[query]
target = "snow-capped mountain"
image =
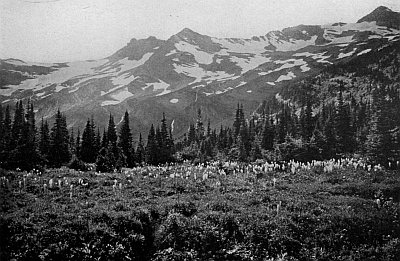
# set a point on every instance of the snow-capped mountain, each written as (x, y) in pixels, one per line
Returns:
(190, 71)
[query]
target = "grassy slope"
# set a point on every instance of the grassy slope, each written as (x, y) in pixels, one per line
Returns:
(323, 216)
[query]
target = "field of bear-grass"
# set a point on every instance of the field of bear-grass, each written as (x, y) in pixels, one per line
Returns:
(322, 210)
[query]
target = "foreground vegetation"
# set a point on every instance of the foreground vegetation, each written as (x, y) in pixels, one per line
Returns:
(324, 211)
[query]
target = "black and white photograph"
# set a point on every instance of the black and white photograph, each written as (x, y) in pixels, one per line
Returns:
(211, 130)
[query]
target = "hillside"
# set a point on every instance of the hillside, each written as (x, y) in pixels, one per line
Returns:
(189, 71)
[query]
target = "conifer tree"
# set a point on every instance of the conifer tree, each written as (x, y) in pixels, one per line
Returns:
(342, 125)
(97, 146)
(104, 139)
(380, 141)
(329, 149)
(199, 127)
(281, 129)
(59, 153)
(140, 151)
(44, 140)
(17, 125)
(5, 153)
(306, 121)
(165, 142)
(151, 147)
(1, 133)
(111, 132)
(237, 121)
(78, 145)
(88, 152)
(208, 132)
(268, 136)
(27, 152)
(191, 134)
(125, 141)
(106, 162)
(72, 143)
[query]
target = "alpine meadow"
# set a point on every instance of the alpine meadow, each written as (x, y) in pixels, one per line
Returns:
(280, 147)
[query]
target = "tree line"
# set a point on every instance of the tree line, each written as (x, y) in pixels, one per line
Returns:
(344, 126)
(25, 146)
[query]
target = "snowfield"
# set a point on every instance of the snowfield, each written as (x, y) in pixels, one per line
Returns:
(343, 55)
(200, 56)
(288, 76)
(364, 52)
(71, 71)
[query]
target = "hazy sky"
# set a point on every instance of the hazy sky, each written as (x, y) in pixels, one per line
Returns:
(69, 30)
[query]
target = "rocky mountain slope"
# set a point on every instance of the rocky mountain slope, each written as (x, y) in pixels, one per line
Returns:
(190, 71)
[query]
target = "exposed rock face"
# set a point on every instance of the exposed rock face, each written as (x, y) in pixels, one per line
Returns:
(190, 71)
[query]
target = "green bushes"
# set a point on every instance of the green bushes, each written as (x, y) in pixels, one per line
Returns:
(317, 219)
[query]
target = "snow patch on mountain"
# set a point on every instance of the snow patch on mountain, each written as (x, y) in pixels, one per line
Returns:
(118, 97)
(161, 85)
(122, 95)
(86, 79)
(391, 37)
(123, 79)
(288, 76)
(200, 56)
(244, 46)
(338, 29)
(171, 52)
(60, 87)
(71, 71)
(195, 71)
(250, 63)
(289, 63)
(343, 55)
(292, 45)
(305, 68)
(107, 103)
(126, 64)
(23, 63)
(320, 57)
(364, 52)
(241, 84)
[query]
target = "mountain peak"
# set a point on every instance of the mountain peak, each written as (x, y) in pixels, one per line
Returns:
(186, 32)
(382, 9)
(383, 16)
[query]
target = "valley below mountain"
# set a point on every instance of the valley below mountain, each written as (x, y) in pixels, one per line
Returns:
(190, 71)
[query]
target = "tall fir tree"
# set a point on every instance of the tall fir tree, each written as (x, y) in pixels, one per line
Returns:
(5, 153)
(1, 133)
(78, 144)
(380, 140)
(191, 134)
(44, 141)
(140, 151)
(199, 127)
(268, 136)
(59, 142)
(165, 144)
(345, 142)
(151, 147)
(306, 120)
(125, 141)
(17, 126)
(27, 151)
(111, 132)
(88, 152)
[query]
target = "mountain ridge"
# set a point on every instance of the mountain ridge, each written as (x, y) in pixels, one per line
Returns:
(186, 72)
